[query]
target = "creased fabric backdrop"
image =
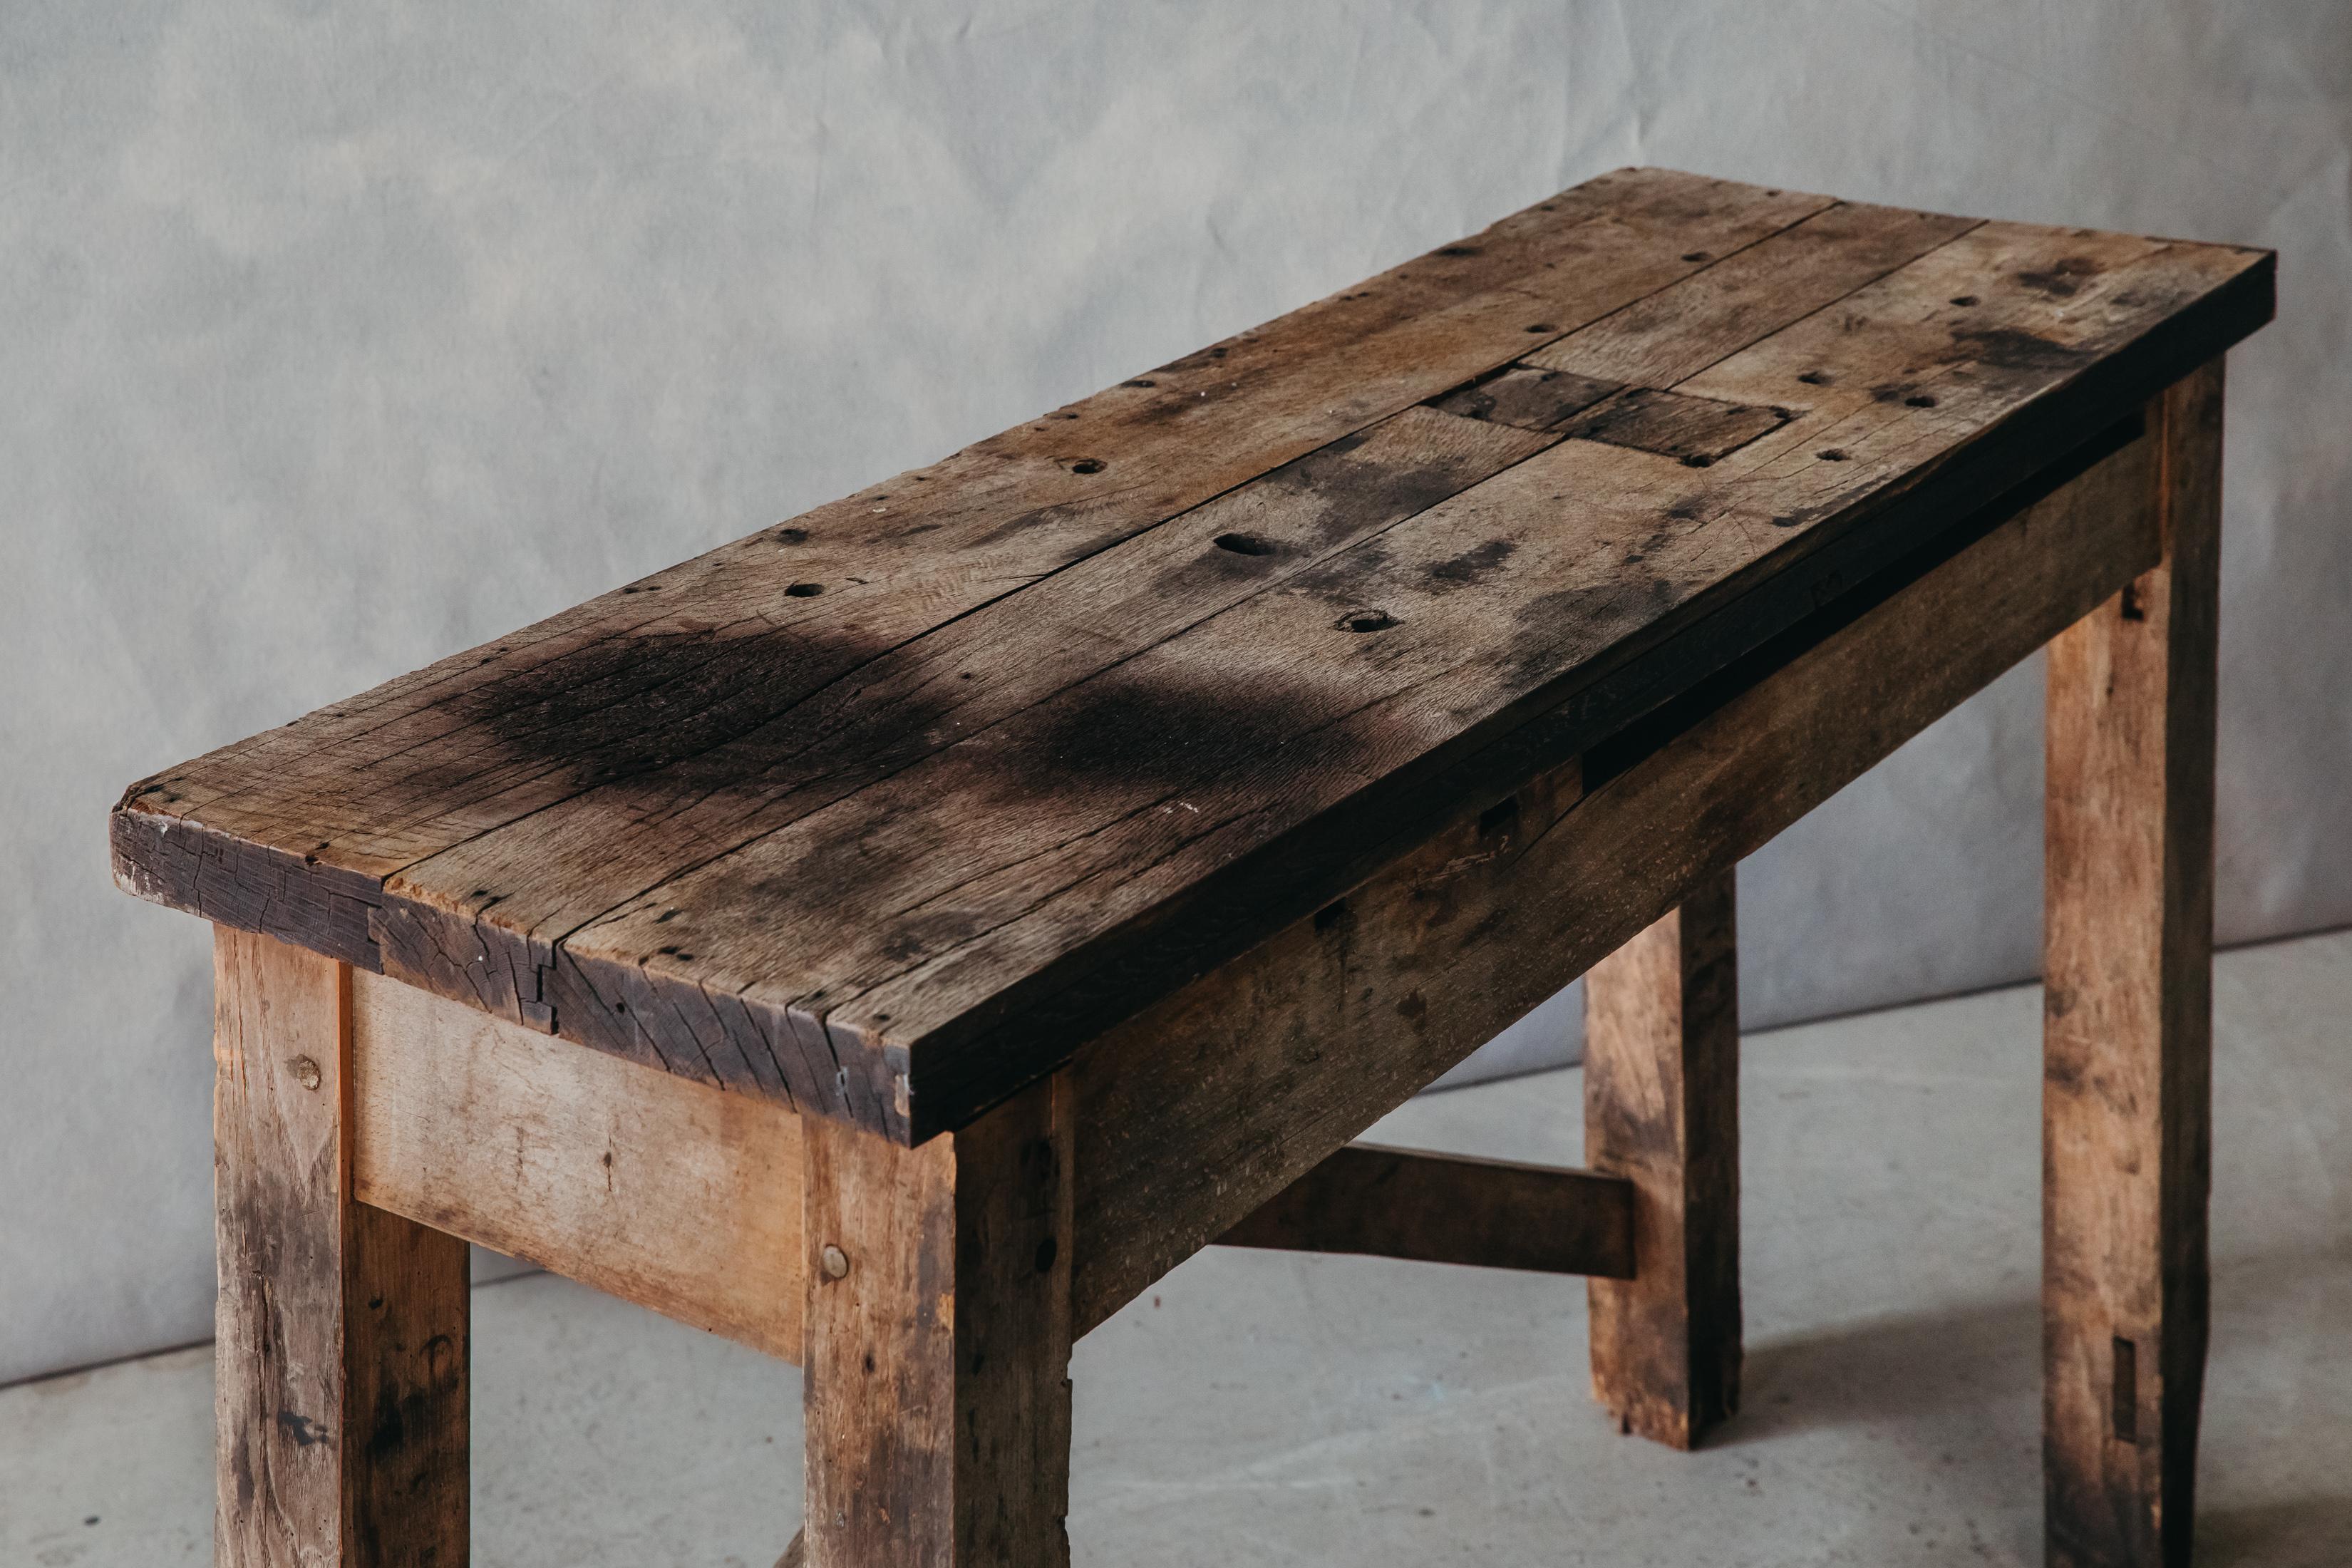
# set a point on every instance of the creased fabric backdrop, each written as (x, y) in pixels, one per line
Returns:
(338, 338)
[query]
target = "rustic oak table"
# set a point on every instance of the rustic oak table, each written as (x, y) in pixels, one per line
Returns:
(897, 937)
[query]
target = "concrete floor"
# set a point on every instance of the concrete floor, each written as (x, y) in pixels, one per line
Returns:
(1274, 1409)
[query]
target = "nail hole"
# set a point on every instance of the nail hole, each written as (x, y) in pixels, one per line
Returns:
(1815, 378)
(1330, 914)
(805, 590)
(1046, 1253)
(791, 536)
(1693, 255)
(1543, 327)
(1459, 250)
(1243, 545)
(1964, 300)
(1922, 401)
(1366, 621)
(1830, 455)
(1697, 460)
(1088, 466)
(1498, 818)
(1140, 381)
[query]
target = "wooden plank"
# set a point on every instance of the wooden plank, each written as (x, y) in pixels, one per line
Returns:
(1196, 1112)
(2127, 1008)
(342, 1330)
(1450, 1208)
(654, 1188)
(1033, 754)
(1662, 1110)
(938, 1397)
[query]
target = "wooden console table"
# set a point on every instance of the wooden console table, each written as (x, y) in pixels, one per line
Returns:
(897, 937)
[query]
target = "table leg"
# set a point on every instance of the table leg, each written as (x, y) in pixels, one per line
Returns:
(2127, 1028)
(342, 1328)
(938, 1392)
(1662, 1107)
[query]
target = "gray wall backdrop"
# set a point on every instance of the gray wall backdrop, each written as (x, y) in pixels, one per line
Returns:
(338, 338)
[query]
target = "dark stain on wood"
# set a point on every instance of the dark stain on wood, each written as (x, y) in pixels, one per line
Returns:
(1472, 564)
(1129, 731)
(2062, 279)
(1698, 430)
(1528, 397)
(2013, 349)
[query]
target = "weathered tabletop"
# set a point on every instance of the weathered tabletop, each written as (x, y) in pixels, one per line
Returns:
(886, 810)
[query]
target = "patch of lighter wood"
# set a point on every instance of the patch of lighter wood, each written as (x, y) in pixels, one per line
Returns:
(663, 1191)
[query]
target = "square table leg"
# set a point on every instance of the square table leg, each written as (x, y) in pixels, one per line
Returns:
(342, 1328)
(1662, 1108)
(937, 1389)
(2127, 1026)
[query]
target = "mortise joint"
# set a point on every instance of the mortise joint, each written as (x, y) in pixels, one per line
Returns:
(2126, 1391)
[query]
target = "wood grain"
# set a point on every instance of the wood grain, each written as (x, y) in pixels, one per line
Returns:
(2127, 1007)
(659, 1190)
(1230, 776)
(1662, 1110)
(966, 531)
(1696, 431)
(938, 1395)
(1450, 1208)
(341, 1329)
(885, 812)
(1200, 1109)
